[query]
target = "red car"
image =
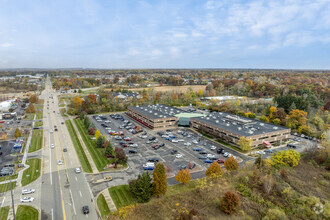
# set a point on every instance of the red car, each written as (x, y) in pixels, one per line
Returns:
(154, 146)
(220, 161)
(2, 121)
(124, 145)
(127, 139)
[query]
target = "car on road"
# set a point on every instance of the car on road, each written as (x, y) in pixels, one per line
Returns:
(60, 162)
(27, 199)
(269, 151)
(132, 151)
(28, 191)
(85, 209)
(65, 149)
(51, 130)
(52, 146)
(178, 156)
(77, 170)
(187, 144)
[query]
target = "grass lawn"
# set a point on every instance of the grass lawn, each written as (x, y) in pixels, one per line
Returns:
(38, 124)
(6, 187)
(36, 141)
(29, 116)
(41, 101)
(121, 196)
(62, 111)
(31, 173)
(97, 154)
(4, 178)
(4, 213)
(103, 206)
(179, 188)
(25, 212)
(223, 143)
(39, 114)
(77, 145)
(61, 105)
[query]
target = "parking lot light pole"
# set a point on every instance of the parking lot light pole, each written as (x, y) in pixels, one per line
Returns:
(12, 197)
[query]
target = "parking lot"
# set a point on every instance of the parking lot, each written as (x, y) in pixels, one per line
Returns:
(182, 146)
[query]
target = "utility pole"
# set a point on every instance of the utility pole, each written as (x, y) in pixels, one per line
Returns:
(12, 197)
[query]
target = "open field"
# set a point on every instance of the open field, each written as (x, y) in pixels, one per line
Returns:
(25, 212)
(4, 178)
(33, 172)
(97, 154)
(121, 196)
(36, 141)
(103, 206)
(77, 145)
(182, 89)
(4, 213)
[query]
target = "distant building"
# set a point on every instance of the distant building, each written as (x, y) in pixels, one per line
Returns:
(126, 95)
(221, 99)
(6, 105)
(230, 128)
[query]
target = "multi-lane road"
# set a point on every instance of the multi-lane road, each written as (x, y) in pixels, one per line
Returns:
(63, 191)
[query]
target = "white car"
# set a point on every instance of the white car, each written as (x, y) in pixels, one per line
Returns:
(187, 144)
(175, 141)
(28, 191)
(178, 156)
(51, 130)
(195, 142)
(156, 140)
(225, 154)
(260, 152)
(107, 121)
(180, 140)
(99, 120)
(210, 155)
(27, 199)
(144, 136)
(213, 147)
(165, 136)
(229, 155)
(60, 162)
(148, 142)
(108, 129)
(52, 146)
(133, 145)
(77, 170)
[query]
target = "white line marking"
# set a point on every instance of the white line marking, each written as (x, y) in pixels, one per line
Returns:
(80, 193)
(3, 201)
(74, 209)
(50, 164)
(52, 213)
(71, 162)
(76, 178)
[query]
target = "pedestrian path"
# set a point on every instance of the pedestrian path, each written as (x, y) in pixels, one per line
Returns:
(109, 200)
(89, 157)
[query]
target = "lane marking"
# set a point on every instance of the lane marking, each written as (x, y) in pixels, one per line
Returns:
(50, 164)
(76, 178)
(80, 193)
(52, 213)
(74, 209)
(3, 200)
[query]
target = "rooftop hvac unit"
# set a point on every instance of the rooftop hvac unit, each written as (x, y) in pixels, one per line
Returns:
(220, 113)
(234, 123)
(166, 107)
(214, 117)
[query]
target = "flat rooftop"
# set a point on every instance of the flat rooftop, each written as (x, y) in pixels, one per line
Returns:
(157, 111)
(239, 125)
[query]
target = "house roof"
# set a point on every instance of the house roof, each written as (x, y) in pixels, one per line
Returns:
(157, 111)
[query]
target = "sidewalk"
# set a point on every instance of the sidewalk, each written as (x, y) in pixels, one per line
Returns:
(89, 157)
(109, 200)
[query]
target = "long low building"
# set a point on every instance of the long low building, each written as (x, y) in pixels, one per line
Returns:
(230, 128)
(155, 116)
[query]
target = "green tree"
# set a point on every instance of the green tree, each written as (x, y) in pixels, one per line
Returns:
(100, 141)
(160, 182)
(108, 149)
(285, 158)
(277, 121)
(318, 122)
(141, 187)
(275, 214)
(292, 107)
(231, 164)
(183, 176)
(245, 143)
(18, 133)
(214, 170)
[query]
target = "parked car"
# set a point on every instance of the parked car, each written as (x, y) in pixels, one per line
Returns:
(85, 209)
(178, 156)
(173, 152)
(220, 151)
(77, 170)
(174, 141)
(197, 149)
(162, 145)
(187, 144)
(132, 151)
(208, 161)
(157, 147)
(201, 157)
(269, 151)
(210, 155)
(183, 167)
(153, 160)
(203, 152)
(27, 199)
(213, 147)
(195, 141)
(220, 161)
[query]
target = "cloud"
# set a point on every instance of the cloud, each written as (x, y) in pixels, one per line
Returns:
(5, 45)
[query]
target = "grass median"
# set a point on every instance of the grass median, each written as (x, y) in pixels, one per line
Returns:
(33, 172)
(121, 196)
(25, 212)
(38, 124)
(77, 145)
(4, 213)
(103, 206)
(6, 186)
(36, 141)
(29, 116)
(39, 114)
(4, 178)
(97, 154)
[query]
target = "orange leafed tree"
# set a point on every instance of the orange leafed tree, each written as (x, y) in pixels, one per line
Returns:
(214, 170)
(183, 176)
(33, 98)
(77, 102)
(231, 164)
(297, 117)
(30, 109)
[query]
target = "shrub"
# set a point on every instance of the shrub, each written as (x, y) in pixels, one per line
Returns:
(183, 176)
(244, 190)
(231, 164)
(275, 214)
(324, 183)
(229, 202)
(214, 170)
(285, 158)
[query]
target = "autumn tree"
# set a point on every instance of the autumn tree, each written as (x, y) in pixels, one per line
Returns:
(97, 134)
(231, 164)
(160, 182)
(200, 93)
(245, 143)
(214, 170)
(77, 102)
(285, 158)
(183, 176)
(230, 202)
(297, 118)
(31, 108)
(121, 157)
(33, 98)
(18, 133)
(272, 112)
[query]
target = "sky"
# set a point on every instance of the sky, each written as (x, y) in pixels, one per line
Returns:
(279, 34)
